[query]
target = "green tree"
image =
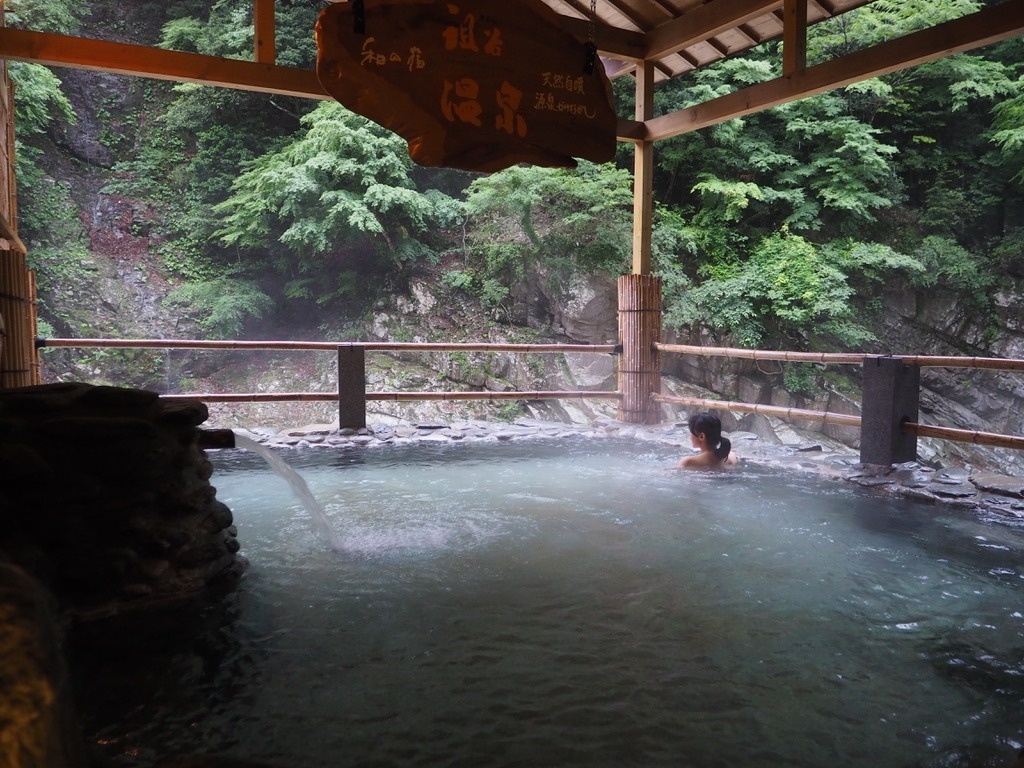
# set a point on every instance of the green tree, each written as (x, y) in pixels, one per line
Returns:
(790, 294)
(526, 219)
(335, 207)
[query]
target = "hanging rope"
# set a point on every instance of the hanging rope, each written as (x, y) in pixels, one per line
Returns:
(590, 49)
(359, 17)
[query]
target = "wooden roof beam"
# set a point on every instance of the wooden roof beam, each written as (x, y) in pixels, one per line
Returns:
(611, 41)
(135, 60)
(264, 31)
(703, 22)
(124, 59)
(794, 36)
(985, 27)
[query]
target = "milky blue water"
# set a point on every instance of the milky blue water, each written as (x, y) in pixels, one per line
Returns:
(581, 603)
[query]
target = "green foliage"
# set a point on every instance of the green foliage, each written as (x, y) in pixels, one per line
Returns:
(1009, 129)
(60, 16)
(458, 280)
(787, 293)
(223, 304)
(800, 379)
(340, 199)
(226, 29)
(527, 219)
(948, 265)
(510, 411)
(40, 100)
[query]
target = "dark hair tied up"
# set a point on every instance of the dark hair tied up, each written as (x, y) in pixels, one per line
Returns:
(711, 426)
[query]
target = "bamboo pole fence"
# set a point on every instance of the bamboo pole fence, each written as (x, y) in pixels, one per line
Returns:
(920, 430)
(765, 354)
(18, 310)
(352, 390)
(993, 439)
(281, 397)
(796, 414)
(821, 417)
(332, 346)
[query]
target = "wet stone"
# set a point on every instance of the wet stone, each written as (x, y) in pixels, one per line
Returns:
(960, 492)
(999, 484)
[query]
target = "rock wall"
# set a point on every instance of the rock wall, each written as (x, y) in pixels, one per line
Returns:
(105, 498)
(38, 725)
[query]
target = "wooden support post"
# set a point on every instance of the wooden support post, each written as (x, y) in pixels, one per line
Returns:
(17, 311)
(889, 397)
(640, 361)
(794, 36)
(643, 173)
(264, 31)
(351, 387)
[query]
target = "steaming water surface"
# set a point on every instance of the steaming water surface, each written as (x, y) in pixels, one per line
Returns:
(571, 603)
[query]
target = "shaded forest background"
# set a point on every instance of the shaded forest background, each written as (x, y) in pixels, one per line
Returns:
(833, 223)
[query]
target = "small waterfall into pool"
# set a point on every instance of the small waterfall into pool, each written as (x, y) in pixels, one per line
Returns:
(316, 511)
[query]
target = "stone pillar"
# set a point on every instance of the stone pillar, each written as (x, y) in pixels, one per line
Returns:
(639, 363)
(889, 397)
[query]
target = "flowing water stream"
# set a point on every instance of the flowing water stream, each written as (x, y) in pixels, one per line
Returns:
(581, 603)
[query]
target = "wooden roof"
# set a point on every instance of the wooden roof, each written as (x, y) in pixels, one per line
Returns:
(653, 39)
(681, 35)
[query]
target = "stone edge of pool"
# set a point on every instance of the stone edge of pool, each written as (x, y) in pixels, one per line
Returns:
(1001, 495)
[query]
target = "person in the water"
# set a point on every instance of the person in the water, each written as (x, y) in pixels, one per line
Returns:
(715, 450)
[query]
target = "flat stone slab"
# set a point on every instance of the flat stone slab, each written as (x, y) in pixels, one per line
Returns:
(1004, 486)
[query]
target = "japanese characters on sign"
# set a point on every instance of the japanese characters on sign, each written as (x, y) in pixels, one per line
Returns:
(475, 84)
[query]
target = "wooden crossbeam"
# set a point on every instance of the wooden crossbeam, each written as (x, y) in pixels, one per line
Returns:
(985, 27)
(611, 41)
(124, 59)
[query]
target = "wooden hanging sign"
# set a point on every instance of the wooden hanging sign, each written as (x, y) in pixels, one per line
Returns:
(472, 84)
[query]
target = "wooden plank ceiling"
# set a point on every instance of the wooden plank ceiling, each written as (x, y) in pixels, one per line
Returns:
(679, 36)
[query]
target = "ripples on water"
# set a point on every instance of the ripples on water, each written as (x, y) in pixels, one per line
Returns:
(571, 603)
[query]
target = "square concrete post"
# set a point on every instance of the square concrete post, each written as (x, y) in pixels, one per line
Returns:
(889, 397)
(351, 387)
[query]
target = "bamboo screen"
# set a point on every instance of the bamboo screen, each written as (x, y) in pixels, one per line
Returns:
(19, 362)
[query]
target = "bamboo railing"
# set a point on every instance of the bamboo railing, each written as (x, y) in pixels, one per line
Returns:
(325, 397)
(823, 417)
(327, 346)
(764, 354)
(796, 414)
(352, 388)
(992, 439)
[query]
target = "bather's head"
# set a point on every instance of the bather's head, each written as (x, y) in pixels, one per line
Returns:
(710, 426)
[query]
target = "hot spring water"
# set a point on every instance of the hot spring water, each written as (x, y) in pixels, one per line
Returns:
(581, 603)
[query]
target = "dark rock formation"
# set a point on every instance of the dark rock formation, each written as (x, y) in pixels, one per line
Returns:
(106, 499)
(38, 728)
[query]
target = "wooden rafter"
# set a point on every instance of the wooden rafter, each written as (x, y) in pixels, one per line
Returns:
(664, 7)
(703, 22)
